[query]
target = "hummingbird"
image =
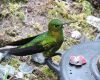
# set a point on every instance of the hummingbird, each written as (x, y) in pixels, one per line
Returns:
(47, 43)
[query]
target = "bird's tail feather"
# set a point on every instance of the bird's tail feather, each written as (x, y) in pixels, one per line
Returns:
(26, 51)
(4, 52)
(14, 50)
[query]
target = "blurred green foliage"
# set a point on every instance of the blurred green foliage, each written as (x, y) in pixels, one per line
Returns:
(14, 1)
(13, 10)
(87, 7)
(47, 71)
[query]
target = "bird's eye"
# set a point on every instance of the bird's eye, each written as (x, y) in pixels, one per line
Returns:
(56, 26)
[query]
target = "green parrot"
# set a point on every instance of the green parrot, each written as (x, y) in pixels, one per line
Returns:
(47, 43)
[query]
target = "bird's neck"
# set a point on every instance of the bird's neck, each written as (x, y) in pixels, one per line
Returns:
(56, 34)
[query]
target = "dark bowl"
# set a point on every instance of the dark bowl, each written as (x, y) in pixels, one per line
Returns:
(89, 71)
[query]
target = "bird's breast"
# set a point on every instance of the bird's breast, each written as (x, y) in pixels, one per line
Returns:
(58, 35)
(55, 34)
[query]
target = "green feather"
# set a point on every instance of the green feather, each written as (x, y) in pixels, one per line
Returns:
(49, 42)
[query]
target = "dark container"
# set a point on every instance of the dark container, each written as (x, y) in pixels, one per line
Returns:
(89, 71)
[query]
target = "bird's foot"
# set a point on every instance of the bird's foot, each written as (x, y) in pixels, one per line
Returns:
(55, 54)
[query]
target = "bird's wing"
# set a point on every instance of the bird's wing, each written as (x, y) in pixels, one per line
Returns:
(26, 51)
(22, 41)
(40, 46)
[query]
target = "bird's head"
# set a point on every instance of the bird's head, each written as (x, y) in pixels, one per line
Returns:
(55, 25)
